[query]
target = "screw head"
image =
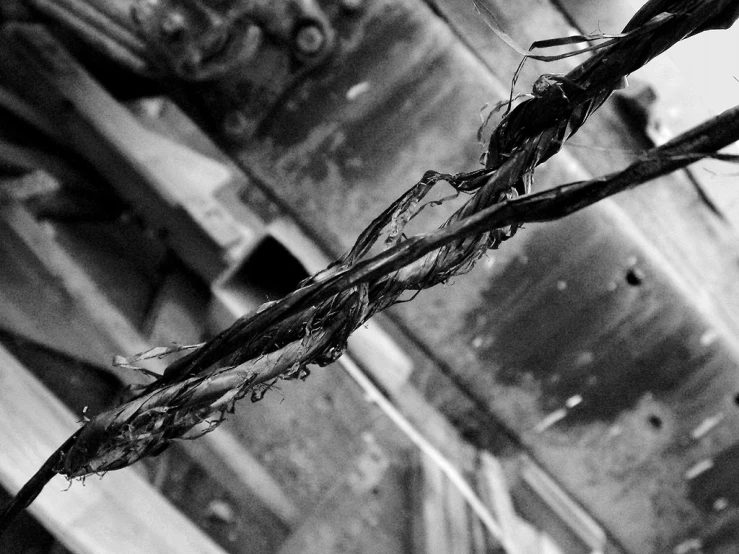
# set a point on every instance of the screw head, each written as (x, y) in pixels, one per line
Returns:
(310, 40)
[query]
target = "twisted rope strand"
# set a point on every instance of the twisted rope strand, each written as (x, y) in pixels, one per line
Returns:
(349, 292)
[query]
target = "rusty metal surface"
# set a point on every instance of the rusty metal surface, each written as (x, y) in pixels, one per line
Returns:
(601, 363)
(393, 100)
(593, 313)
(240, 57)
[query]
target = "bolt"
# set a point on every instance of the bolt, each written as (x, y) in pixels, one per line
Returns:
(310, 40)
(173, 24)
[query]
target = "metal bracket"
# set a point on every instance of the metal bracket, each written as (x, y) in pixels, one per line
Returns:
(242, 55)
(199, 42)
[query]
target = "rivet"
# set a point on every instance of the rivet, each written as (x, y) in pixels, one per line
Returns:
(310, 40)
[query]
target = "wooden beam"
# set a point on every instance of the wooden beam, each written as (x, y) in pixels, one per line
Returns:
(239, 467)
(431, 529)
(444, 523)
(520, 536)
(60, 275)
(175, 188)
(575, 517)
(118, 513)
(172, 186)
(496, 495)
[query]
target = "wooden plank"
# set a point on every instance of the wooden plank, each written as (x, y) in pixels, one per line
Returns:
(118, 513)
(458, 519)
(578, 520)
(434, 538)
(519, 534)
(36, 306)
(445, 523)
(76, 283)
(178, 311)
(163, 175)
(180, 176)
(495, 493)
(239, 467)
(172, 186)
(346, 517)
(386, 368)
